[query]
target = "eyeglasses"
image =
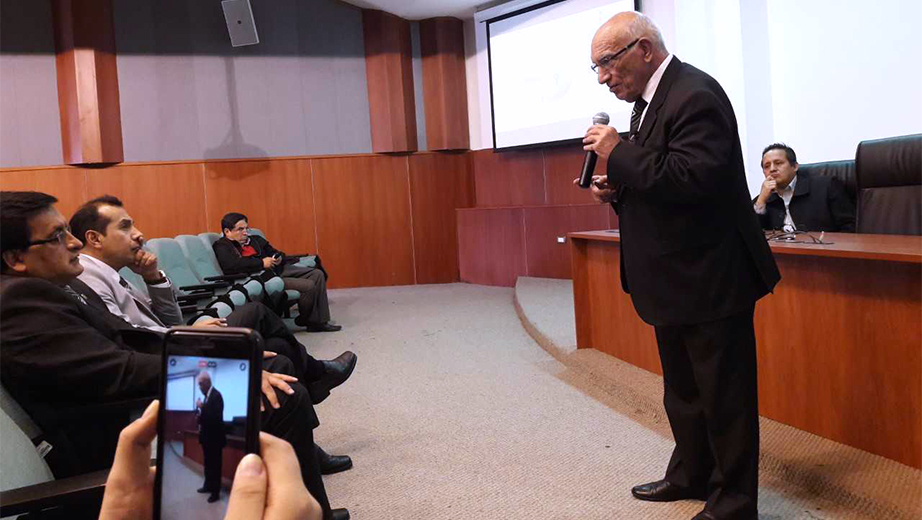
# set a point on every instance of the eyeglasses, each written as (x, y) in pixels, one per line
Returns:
(610, 60)
(59, 236)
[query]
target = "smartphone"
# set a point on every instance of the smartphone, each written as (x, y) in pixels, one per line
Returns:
(208, 420)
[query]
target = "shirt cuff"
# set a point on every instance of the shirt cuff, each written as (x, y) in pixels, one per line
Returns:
(760, 210)
(164, 283)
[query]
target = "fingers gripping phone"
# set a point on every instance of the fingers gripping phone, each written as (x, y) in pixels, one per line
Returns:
(209, 418)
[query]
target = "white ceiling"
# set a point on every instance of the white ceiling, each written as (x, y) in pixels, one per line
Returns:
(421, 9)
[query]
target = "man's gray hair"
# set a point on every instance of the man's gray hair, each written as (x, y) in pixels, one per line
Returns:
(643, 27)
(203, 375)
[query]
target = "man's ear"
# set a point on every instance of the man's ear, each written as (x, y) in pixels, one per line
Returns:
(13, 259)
(91, 239)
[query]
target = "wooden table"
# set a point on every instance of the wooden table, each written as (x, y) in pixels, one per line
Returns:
(839, 341)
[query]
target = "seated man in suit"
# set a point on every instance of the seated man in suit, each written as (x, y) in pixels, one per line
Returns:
(112, 241)
(62, 351)
(209, 413)
(791, 201)
(238, 252)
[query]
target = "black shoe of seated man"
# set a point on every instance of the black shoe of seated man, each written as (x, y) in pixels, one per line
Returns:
(214, 497)
(340, 514)
(330, 464)
(202, 490)
(336, 371)
(320, 327)
(704, 515)
(665, 491)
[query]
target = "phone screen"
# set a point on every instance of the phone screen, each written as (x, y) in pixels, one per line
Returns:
(205, 429)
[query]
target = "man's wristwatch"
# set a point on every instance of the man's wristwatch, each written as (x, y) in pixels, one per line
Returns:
(158, 281)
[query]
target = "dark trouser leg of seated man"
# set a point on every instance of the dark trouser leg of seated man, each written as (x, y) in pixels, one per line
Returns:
(295, 421)
(318, 376)
(314, 305)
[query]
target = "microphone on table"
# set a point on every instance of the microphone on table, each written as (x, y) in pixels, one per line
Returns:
(585, 176)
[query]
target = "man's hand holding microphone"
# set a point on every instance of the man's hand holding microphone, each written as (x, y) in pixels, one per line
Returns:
(598, 142)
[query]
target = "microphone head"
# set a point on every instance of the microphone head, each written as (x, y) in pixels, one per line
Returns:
(600, 119)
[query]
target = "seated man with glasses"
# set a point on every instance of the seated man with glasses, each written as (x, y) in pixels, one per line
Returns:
(791, 201)
(239, 252)
(62, 352)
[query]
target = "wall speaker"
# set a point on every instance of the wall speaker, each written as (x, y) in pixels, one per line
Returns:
(240, 24)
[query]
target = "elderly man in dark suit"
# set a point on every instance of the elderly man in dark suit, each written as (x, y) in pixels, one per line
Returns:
(211, 434)
(62, 351)
(693, 259)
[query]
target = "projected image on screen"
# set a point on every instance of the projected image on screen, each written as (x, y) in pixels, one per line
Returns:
(206, 408)
(542, 89)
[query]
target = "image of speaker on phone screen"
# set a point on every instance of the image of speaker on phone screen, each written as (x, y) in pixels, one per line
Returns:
(266, 485)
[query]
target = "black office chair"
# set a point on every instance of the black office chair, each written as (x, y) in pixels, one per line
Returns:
(889, 175)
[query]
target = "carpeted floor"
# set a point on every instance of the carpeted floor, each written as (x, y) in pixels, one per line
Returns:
(455, 412)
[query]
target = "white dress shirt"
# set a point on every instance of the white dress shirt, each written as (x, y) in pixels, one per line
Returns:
(650, 89)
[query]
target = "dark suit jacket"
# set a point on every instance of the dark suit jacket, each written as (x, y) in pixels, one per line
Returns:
(59, 354)
(211, 421)
(692, 250)
(231, 259)
(819, 203)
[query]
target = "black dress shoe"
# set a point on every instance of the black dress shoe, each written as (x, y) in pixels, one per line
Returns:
(202, 490)
(665, 491)
(330, 464)
(321, 327)
(340, 514)
(704, 515)
(336, 371)
(214, 497)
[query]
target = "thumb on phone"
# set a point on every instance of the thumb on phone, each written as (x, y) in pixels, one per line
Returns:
(248, 495)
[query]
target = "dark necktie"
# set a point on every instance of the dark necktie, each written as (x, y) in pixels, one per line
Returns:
(145, 310)
(639, 105)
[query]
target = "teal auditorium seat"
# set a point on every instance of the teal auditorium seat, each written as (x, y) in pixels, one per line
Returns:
(27, 485)
(274, 286)
(205, 266)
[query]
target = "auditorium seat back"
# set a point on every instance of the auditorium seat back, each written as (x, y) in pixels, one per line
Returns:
(172, 261)
(889, 174)
(22, 465)
(844, 171)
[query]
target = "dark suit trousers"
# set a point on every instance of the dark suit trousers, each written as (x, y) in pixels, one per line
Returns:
(213, 460)
(295, 421)
(278, 338)
(314, 304)
(711, 399)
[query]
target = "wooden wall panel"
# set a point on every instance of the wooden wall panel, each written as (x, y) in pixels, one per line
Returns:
(509, 178)
(562, 164)
(491, 245)
(444, 83)
(389, 73)
(439, 184)
(362, 207)
(276, 196)
(87, 74)
(164, 199)
(67, 184)
(546, 257)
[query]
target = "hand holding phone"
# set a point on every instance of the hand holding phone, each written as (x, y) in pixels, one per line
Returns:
(130, 485)
(209, 412)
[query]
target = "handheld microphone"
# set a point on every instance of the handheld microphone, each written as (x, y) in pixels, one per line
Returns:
(585, 176)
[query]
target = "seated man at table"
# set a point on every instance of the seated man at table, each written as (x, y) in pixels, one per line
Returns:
(239, 252)
(792, 201)
(62, 351)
